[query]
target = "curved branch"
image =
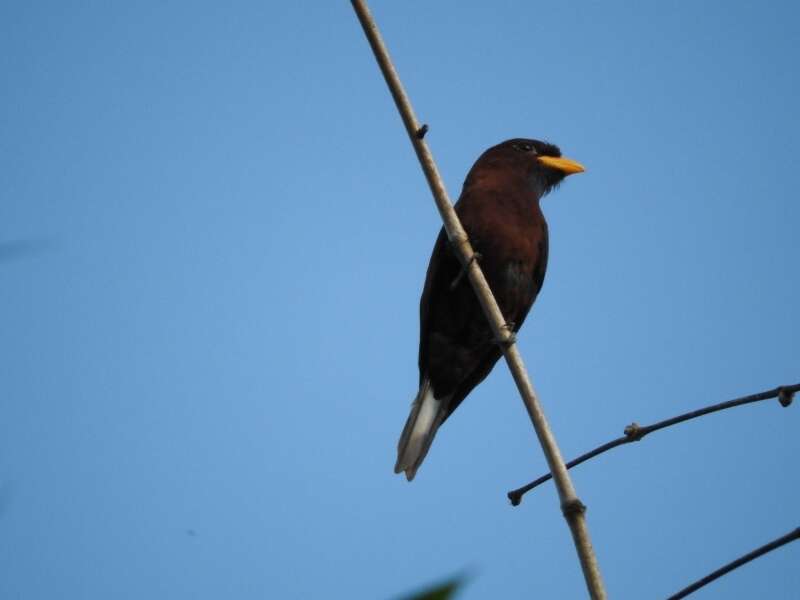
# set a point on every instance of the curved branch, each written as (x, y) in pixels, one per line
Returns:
(635, 432)
(774, 544)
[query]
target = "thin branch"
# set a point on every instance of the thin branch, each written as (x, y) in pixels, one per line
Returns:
(572, 508)
(774, 544)
(634, 432)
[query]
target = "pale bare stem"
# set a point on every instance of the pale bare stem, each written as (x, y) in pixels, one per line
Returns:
(572, 508)
(635, 432)
(742, 560)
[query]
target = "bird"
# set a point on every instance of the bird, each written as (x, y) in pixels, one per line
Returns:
(499, 210)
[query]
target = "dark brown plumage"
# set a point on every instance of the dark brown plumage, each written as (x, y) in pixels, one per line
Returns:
(499, 209)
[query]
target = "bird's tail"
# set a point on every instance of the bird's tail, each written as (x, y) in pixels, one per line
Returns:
(427, 413)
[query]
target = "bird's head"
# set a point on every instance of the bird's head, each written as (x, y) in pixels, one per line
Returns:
(539, 163)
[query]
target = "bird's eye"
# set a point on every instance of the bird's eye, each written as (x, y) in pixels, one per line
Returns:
(524, 147)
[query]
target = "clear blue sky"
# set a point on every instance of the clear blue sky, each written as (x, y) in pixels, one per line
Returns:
(213, 237)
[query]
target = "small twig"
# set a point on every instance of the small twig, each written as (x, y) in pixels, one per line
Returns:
(781, 541)
(634, 432)
(576, 520)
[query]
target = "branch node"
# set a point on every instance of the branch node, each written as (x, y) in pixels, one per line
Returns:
(785, 396)
(634, 432)
(511, 338)
(515, 498)
(475, 256)
(422, 131)
(573, 507)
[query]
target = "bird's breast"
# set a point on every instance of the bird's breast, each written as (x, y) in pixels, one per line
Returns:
(516, 274)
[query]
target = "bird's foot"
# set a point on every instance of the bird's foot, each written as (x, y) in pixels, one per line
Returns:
(475, 256)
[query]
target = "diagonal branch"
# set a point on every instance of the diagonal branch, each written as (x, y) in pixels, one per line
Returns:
(634, 432)
(572, 508)
(742, 560)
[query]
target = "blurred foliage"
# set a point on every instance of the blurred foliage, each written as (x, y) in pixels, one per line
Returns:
(440, 591)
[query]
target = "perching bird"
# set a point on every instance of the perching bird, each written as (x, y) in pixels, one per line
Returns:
(499, 209)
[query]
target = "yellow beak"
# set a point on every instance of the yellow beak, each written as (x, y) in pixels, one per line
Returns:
(565, 165)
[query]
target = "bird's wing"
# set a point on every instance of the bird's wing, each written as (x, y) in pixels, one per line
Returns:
(457, 350)
(443, 264)
(454, 334)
